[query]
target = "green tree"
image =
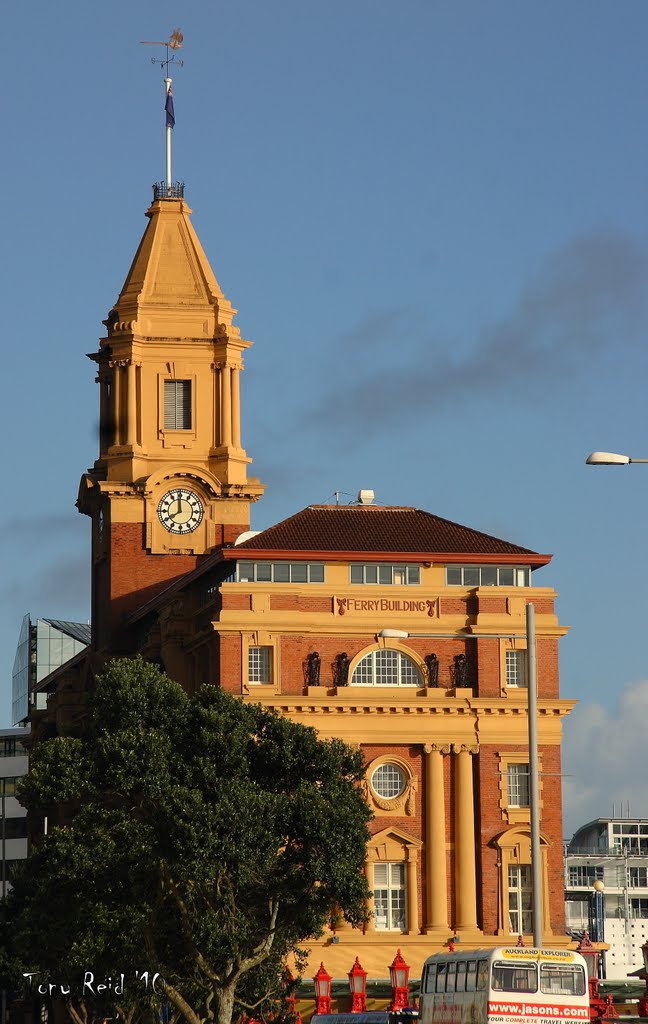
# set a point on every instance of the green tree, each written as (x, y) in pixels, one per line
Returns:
(193, 837)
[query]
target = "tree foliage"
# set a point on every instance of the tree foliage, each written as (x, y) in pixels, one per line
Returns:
(196, 837)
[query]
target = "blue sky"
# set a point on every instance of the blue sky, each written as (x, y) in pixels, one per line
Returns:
(433, 219)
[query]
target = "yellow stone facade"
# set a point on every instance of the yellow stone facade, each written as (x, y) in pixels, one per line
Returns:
(452, 843)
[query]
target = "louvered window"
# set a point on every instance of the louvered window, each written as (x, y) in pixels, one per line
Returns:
(177, 405)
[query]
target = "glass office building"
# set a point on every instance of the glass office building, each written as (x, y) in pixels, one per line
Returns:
(42, 646)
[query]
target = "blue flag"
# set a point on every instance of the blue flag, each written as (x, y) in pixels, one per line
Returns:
(170, 113)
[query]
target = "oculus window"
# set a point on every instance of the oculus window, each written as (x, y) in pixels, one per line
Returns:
(388, 781)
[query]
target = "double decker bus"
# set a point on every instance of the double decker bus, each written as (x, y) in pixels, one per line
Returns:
(505, 985)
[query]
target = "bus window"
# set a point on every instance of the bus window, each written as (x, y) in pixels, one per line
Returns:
(471, 976)
(482, 976)
(429, 981)
(440, 978)
(461, 976)
(562, 979)
(514, 977)
(451, 974)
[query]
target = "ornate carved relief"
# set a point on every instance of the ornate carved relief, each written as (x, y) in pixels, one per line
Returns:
(404, 801)
(464, 748)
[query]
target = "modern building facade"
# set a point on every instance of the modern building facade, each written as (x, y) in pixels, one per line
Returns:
(390, 627)
(606, 889)
(14, 763)
(43, 646)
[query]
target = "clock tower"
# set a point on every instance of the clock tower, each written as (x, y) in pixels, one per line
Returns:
(170, 484)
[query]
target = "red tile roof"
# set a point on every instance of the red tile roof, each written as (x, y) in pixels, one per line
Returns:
(379, 531)
(376, 528)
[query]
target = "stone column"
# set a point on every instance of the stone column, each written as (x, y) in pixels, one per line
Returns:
(236, 406)
(465, 864)
(116, 402)
(436, 872)
(105, 434)
(226, 406)
(217, 404)
(411, 882)
(131, 403)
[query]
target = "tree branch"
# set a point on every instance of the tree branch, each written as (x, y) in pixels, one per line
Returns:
(172, 889)
(263, 949)
(78, 1018)
(181, 1004)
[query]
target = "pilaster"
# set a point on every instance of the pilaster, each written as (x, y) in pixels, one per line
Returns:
(436, 873)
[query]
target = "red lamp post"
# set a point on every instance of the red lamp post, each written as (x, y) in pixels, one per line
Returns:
(289, 995)
(643, 1002)
(358, 986)
(399, 980)
(599, 1006)
(322, 990)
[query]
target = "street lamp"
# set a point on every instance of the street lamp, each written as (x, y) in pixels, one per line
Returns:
(598, 913)
(322, 990)
(609, 459)
(358, 986)
(598, 920)
(399, 981)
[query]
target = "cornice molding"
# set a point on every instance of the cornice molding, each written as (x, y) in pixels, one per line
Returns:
(326, 706)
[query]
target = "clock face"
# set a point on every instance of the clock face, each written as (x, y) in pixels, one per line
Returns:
(180, 511)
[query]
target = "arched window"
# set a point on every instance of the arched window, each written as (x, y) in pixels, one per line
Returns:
(386, 668)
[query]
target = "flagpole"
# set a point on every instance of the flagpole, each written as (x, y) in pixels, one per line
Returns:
(169, 129)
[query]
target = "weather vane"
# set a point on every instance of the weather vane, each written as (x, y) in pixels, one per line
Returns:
(173, 43)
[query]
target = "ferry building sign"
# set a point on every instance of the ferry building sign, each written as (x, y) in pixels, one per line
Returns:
(384, 604)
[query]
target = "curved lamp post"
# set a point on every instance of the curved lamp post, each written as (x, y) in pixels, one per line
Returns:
(609, 459)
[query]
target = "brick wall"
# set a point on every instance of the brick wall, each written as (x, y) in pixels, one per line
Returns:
(135, 576)
(410, 824)
(492, 823)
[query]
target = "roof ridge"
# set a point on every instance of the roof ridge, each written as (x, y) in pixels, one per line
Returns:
(357, 505)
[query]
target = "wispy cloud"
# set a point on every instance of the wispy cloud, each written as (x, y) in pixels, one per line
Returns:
(605, 758)
(589, 297)
(59, 589)
(42, 528)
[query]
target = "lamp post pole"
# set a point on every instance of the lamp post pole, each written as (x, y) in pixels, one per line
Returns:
(3, 994)
(598, 920)
(534, 786)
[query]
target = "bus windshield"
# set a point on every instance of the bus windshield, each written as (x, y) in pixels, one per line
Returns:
(562, 979)
(521, 976)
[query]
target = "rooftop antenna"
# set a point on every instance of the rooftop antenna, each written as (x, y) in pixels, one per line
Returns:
(173, 43)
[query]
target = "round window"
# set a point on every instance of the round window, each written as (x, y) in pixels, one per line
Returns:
(388, 780)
